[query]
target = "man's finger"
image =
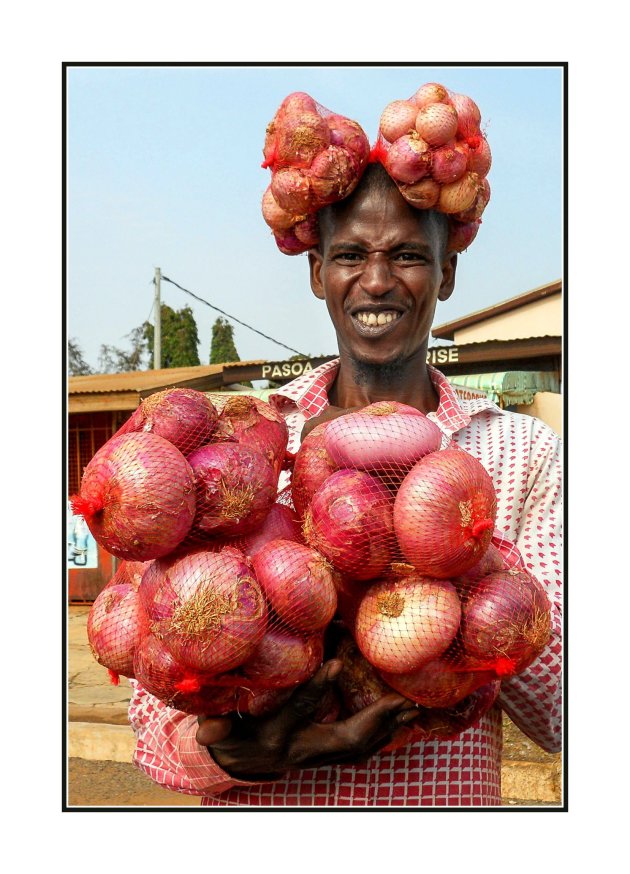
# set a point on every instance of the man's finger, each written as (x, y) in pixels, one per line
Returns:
(304, 702)
(213, 730)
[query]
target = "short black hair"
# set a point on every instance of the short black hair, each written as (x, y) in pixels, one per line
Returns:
(375, 180)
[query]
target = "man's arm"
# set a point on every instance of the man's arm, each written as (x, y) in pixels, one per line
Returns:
(533, 699)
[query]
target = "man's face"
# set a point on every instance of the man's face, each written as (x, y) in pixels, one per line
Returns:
(381, 271)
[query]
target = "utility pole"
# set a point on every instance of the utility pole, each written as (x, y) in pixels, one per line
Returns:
(157, 333)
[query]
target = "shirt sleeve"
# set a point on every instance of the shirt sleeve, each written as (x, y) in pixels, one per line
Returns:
(533, 699)
(166, 749)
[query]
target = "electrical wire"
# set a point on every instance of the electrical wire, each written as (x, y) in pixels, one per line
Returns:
(233, 318)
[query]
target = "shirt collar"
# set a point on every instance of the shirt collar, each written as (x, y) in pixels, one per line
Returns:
(308, 394)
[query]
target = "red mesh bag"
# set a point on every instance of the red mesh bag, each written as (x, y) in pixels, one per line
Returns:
(433, 147)
(316, 157)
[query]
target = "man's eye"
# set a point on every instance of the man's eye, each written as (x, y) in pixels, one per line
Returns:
(408, 256)
(345, 257)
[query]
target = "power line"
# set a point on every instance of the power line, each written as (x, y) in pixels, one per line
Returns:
(234, 319)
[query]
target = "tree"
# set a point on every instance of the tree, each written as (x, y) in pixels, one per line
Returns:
(222, 348)
(112, 359)
(77, 365)
(179, 338)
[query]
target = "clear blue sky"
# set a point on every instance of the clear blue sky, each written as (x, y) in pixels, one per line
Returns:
(164, 171)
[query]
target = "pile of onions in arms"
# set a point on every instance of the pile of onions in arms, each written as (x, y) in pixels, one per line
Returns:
(228, 595)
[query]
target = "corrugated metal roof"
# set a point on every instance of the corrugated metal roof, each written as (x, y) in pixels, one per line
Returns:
(144, 380)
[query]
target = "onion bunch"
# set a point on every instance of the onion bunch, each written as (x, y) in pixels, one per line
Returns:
(433, 147)
(316, 158)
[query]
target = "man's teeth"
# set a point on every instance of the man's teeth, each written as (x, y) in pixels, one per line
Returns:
(380, 319)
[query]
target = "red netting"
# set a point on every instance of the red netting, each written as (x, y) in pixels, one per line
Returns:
(385, 561)
(431, 144)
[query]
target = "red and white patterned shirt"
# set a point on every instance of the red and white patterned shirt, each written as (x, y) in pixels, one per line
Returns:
(523, 457)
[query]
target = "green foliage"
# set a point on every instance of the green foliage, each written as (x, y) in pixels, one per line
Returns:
(179, 338)
(222, 348)
(77, 365)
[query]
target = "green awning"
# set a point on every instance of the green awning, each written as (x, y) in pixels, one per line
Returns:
(510, 387)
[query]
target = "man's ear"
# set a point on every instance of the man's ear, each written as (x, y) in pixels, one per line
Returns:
(449, 267)
(315, 261)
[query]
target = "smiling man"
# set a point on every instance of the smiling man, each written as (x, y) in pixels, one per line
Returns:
(381, 266)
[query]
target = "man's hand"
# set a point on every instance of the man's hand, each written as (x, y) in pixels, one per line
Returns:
(264, 749)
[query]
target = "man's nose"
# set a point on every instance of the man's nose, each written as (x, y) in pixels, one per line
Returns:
(377, 277)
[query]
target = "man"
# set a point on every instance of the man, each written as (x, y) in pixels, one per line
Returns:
(381, 266)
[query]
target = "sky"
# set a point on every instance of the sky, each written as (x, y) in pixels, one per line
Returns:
(163, 170)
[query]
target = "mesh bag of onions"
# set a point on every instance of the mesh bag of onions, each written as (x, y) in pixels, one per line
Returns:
(433, 147)
(316, 157)
(228, 595)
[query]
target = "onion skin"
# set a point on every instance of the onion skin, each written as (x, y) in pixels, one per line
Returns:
(280, 523)
(284, 658)
(423, 194)
(437, 683)
(404, 623)
(448, 163)
(235, 487)
(301, 136)
(491, 561)
(277, 218)
(444, 513)
(457, 197)
(349, 134)
(130, 573)
(432, 92)
(436, 123)
(460, 236)
(292, 191)
(381, 436)
(397, 119)
(254, 423)
(137, 496)
(408, 159)
(206, 607)
(298, 583)
(474, 213)
(313, 465)
(506, 620)
(480, 157)
(350, 522)
(115, 626)
(332, 175)
(307, 231)
(162, 675)
(183, 416)
(288, 243)
(468, 116)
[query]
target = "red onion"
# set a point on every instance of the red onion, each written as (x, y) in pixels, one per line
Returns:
(350, 522)
(312, 466)
(432, 92)
(480, 157)
(189, 691)
(408, 159)
(437, 683)
(206, 607)
(301, 136)
(474, 212)
(270, 145)
(277, 218)
(398, 118)
(183, 416)
(349, 134)
(383, 435)
(492, 560)
(436, 123)
(307, 231)
(460, 236)
(280, 523)
(291, 190)
(332, 175)
(284, 658)
(468, 116)
(137, 496)
(130, 573)
(423, 194)
(236, 487)
(296, 103)
(359, 682)
(298, 583)
(506, 620)
(115, 626)
(444, 513)
(448, 163)
(456, 197)
(288, 243)
(403, 623)
(251, 422)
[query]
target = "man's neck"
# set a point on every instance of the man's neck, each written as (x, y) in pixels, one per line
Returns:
(407, 382)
